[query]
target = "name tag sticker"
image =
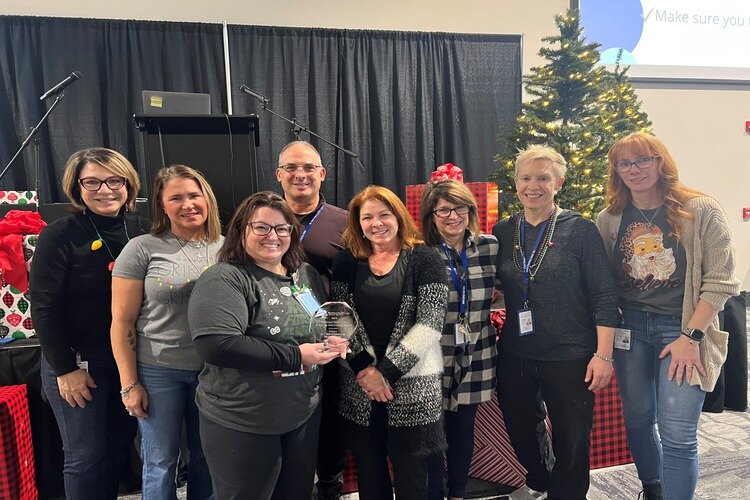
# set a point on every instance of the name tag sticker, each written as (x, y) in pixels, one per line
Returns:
(622, 339)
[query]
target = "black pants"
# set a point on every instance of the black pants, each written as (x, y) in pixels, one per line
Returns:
(246, 466)
(459, 432)
(571, 410)
(331, 452)
(373, 478)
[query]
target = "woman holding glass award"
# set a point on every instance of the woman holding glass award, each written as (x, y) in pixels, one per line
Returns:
(258, 394)
(391, 400)
(450, 223)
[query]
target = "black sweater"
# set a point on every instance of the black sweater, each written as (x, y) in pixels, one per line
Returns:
(71, 286)
(572, 294)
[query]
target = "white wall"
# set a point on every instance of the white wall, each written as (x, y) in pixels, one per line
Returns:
(703, 127)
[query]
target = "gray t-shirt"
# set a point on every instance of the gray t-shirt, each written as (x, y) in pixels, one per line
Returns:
(259, 305)
(649, 264)
(169, 269)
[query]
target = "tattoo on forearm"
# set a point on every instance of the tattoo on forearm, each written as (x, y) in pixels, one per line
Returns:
(131, 338)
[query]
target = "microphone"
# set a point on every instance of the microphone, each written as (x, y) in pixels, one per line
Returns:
(76, 75)
(247, 90)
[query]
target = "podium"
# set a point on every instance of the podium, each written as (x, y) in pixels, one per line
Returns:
(222, 147)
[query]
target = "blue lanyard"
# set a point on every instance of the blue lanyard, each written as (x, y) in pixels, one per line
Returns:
(526, 264)
(459, 281)
(309, 224)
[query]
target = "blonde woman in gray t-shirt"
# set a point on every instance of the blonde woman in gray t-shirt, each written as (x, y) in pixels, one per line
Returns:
(152, 281)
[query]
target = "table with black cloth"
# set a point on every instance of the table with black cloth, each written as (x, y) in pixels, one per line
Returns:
(20, 364)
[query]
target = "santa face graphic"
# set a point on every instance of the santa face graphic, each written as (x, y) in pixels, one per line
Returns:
(645, 254)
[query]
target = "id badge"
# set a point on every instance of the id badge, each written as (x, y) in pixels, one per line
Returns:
(308, 301)
(525, 322)
(461, 331)
(83, 365)
(622, 339)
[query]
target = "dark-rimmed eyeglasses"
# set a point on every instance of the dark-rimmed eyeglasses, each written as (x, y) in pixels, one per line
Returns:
(445, 212)
(94, 184)
(624, 166)
(291, 168)
(262, 229)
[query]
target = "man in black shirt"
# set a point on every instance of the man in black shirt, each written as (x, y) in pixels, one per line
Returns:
(301, 174)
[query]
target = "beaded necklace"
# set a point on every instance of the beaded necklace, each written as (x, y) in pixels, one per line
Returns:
(538, 256)
(97, 243)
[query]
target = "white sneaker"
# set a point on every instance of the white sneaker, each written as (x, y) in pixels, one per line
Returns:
(526, 493)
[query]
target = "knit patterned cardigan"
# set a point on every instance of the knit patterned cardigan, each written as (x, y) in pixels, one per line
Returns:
(709, 275)
(413, 362)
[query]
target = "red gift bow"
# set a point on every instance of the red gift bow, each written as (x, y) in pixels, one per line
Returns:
(448, 171)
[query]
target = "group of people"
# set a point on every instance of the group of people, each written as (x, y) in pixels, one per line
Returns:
(188, 332)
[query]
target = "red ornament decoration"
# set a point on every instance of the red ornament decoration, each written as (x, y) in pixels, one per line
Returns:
(111, 266)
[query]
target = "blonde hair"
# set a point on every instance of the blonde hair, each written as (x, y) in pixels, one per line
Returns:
(106, 158)
(354, 238)
(537, 152)
(673, 193)
(160, 223)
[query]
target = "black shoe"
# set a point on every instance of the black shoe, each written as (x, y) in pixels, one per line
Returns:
(651, 492)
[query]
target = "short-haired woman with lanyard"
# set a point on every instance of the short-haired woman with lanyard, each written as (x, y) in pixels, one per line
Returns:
(673, 264)
(556, 344)
(450, 223)
(152, 282)
(391, 400)
(71, 291)
(259, 393)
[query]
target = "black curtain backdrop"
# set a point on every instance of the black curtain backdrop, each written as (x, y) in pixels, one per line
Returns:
(117, 59)
(405, 101)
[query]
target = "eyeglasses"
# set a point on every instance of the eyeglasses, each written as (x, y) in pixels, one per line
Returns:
(291, 168)
(94, 184)
(445, 212)
(624, 166)
(262, 229)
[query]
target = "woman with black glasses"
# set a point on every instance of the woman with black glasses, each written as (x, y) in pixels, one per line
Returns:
(259, 392)
(71, 290)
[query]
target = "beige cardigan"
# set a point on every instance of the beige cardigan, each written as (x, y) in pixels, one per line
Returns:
(709, 275)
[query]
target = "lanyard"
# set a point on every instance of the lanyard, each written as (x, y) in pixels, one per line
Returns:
(309, 224)
(526, 263)
(459, 282)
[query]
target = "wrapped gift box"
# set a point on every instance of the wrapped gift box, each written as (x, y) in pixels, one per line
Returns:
(609, 445)
(15, 313)
(16, 450)
(29, 245)
(18, 197)
(485, 193)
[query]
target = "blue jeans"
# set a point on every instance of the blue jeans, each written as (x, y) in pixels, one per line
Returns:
(96, 439)
(648, 398)
(171, 400)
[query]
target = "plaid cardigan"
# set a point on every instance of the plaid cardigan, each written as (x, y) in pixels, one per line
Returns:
(469, 372)
(412, 363)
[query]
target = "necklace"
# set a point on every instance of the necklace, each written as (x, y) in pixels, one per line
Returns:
(198, 255)
(649, 222)
(99, 241)
(538, 257)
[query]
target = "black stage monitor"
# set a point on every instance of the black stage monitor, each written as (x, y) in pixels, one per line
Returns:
(157, 102)
(222, 147)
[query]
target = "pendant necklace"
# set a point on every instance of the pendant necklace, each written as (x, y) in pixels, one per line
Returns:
(538, 255)
(649, 222)
(198, 255)
(99, 241)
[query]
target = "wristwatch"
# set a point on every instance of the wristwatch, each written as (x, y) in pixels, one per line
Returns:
(693, 334)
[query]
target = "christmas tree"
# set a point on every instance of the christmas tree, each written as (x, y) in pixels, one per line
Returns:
(578, 108)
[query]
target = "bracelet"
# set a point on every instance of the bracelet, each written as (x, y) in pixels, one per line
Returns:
(608, 360)
(126, 390)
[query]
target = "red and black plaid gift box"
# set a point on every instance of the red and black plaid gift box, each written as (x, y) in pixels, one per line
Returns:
(609, 445)
(16, 450)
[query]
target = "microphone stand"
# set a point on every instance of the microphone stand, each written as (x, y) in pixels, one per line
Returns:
(36, 149)
(297, 129)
